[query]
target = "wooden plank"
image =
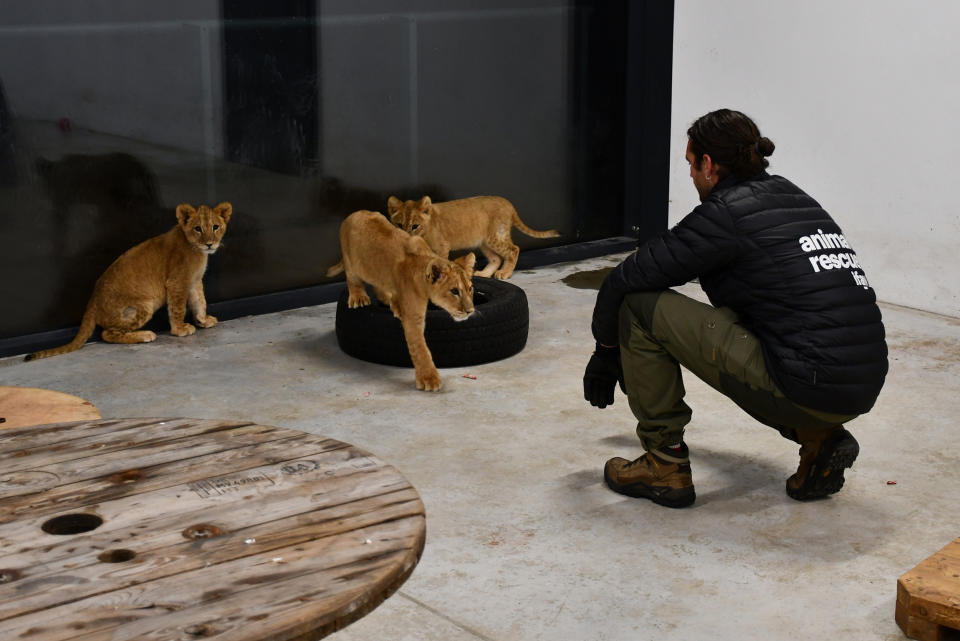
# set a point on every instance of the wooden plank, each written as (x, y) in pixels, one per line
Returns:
(933, 606)
(937, 585)
(249, 497)
(38, 590)
(143, 473)
(950, 550)
(928, 596)
(240, 587)
(936, 580)
(136, 457)
(27, 406)
(14, 440)
(89, 450)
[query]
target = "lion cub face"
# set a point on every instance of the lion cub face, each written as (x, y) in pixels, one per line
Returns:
(412, 216)
(450, 285)
(204, 227)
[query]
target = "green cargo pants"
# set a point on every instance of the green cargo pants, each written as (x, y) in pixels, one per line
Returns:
(660, 331)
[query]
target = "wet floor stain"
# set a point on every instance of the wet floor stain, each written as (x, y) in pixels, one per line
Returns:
(587, 279)
(939, 352)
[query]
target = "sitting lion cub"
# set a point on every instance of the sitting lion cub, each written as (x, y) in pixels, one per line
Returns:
(481, 221)
(405, 275)
(166, 269)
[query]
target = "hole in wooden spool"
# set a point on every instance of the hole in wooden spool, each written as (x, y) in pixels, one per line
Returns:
(72, 524)
(116, 556)
(202, 531)
(200, 630)
(129, 476)
(9, 575)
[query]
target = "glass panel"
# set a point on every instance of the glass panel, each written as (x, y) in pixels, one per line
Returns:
(298, 112)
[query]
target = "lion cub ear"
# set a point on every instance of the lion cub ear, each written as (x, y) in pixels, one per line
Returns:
(425, 202)
(225, 209)
(434, 272)
(393, 208)
(467, 262)
(184, 211)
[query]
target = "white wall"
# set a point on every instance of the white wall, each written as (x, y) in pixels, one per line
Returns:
(862, 99)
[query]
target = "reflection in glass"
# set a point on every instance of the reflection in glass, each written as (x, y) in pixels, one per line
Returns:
(298, 112)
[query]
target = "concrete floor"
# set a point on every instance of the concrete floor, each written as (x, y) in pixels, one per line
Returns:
(524, 541)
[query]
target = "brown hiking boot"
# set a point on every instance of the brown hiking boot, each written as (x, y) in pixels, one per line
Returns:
(823, 457)
(659, 476)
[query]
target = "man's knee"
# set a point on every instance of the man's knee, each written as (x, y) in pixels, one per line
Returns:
(774, 410)
(641, 306)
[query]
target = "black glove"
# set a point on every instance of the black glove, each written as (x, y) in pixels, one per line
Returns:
(602, 374)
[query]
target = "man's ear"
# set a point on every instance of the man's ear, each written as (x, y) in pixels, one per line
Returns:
(707, 166)
(184, 211)
(425, 202)
(467, 262)
(434, 272)
(225, 210)
(393, 206)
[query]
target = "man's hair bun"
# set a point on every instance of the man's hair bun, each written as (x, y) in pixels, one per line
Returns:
(765, 146)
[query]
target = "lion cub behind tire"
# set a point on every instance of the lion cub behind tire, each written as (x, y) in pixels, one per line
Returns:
(480, 221)
(166, 269)
(406, 275)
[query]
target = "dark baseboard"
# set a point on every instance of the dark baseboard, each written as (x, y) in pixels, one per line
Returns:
(533, 258)
(316, 295)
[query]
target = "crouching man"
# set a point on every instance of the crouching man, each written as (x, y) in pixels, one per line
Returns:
(793, 335)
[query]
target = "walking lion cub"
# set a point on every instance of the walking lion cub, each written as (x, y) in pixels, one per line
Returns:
(480, 221)
(166, 269)
(406, 275)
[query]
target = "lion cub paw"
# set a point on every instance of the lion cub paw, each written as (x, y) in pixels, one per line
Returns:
(429, 382)
(358, 300)
(208, 321)
(185, 330)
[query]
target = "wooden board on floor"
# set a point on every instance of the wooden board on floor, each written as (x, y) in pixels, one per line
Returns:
(928, 596)
(22, 406)
(156, 529)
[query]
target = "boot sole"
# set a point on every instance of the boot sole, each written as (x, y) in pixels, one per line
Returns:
(666, 496)
(826, 473)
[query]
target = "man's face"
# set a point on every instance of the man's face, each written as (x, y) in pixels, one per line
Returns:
(699, 176)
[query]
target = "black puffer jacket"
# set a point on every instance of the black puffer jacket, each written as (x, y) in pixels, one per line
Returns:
(768, 251)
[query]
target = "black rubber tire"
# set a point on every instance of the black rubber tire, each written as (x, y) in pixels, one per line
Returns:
(498, 329)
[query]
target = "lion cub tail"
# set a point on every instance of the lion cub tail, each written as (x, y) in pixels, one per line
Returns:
(336, 269)
(529, 231)
(87, 325)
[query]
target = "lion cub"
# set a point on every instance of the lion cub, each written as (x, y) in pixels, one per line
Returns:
(481, 221)
(166, 269)
(405, 275)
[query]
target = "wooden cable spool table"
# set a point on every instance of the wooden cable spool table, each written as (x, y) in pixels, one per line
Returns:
(182, 529)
